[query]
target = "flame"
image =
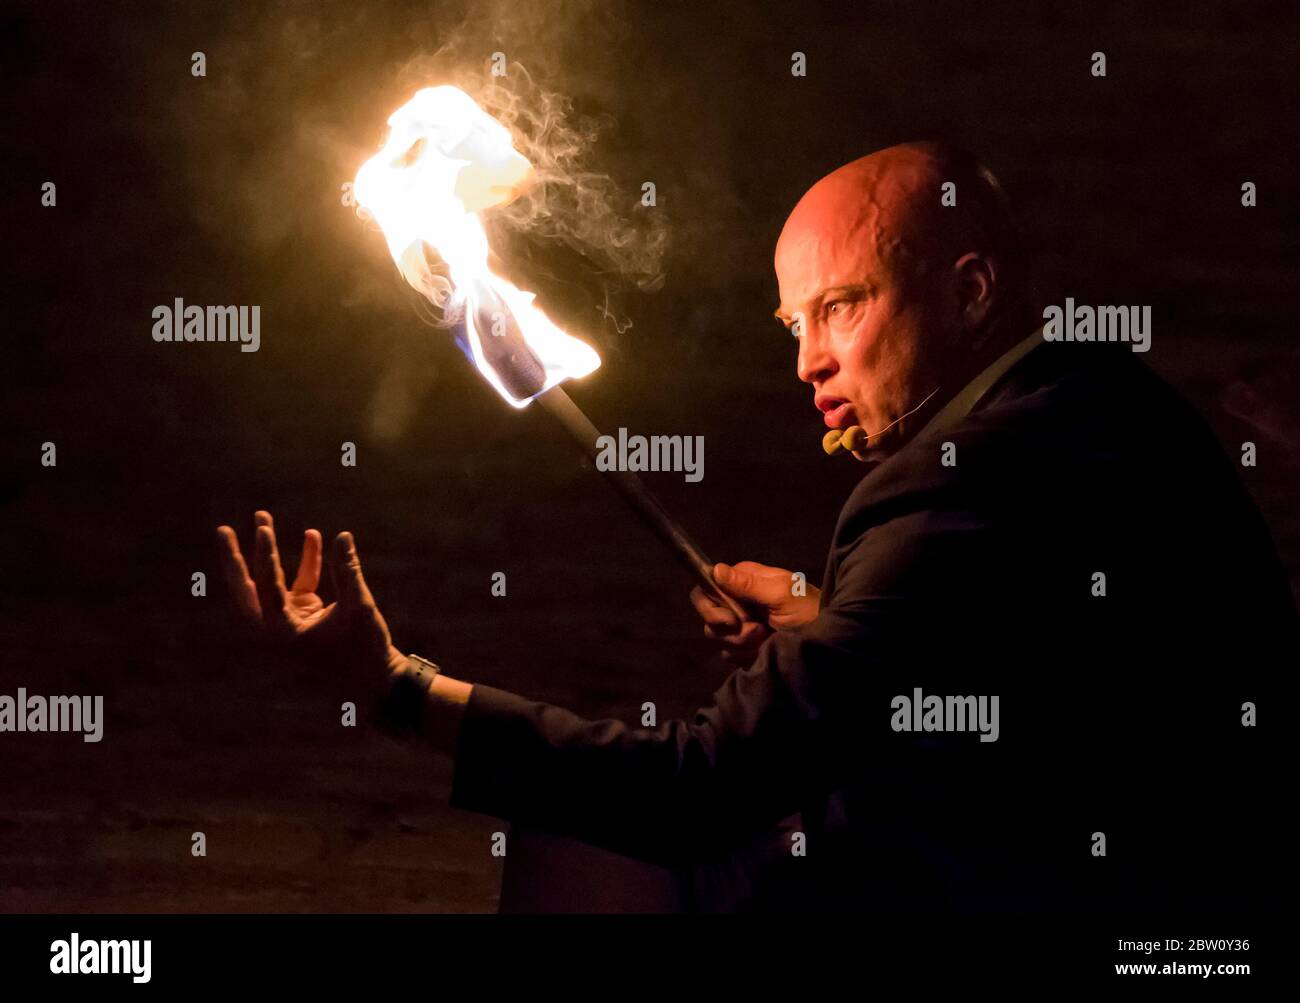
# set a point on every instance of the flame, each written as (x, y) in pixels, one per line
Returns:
(445, 161)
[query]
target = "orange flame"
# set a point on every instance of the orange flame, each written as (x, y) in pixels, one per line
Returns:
(445, 161)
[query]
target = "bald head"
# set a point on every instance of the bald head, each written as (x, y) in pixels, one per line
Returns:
(888, 208)
(895, 295)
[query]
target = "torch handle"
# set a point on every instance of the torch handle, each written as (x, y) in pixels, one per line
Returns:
(558, 404)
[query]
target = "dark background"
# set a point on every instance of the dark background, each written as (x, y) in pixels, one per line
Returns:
(226, 189)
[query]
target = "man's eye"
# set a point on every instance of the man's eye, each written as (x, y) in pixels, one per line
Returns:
(796, 327)
(840, 309)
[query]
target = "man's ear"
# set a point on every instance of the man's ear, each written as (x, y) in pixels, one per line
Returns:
(976, 281)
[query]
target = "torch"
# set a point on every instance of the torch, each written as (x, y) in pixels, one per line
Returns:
(445, 161)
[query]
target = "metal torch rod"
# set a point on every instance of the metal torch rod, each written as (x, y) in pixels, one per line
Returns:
(558, 404)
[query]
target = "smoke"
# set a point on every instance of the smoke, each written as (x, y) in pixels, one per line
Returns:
(296, 99)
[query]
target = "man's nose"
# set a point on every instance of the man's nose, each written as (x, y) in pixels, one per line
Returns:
(816, 364)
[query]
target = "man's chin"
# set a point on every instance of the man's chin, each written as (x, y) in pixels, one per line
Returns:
(870, 455)
(880, 447)
(889, 441)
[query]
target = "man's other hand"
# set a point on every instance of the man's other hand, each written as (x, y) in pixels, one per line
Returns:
(348, 636)
(768, 592)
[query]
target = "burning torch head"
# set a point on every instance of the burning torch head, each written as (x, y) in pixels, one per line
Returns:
(445, 161)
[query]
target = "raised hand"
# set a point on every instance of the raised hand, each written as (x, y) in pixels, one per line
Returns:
(349, 634)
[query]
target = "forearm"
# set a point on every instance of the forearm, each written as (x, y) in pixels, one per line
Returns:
(444, 707)
(683, 791)
(636, 792)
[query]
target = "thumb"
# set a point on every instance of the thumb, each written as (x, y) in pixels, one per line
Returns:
(744, 584)
(345, 566)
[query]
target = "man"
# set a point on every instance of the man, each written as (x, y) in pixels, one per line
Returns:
(1046, 540)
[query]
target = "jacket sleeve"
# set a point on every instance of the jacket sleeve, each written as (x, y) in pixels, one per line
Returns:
(786, 728)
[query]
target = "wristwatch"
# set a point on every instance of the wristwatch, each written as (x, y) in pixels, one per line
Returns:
(400, 708)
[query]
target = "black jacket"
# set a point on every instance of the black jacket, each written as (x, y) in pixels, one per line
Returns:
(1119, 714)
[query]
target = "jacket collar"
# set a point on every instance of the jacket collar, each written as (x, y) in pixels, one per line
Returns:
(975, 391)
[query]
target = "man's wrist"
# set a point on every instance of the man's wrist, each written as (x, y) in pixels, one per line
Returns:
(401, 710)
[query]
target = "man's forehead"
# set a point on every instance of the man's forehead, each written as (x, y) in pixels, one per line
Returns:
(826, 249)
(851, 223)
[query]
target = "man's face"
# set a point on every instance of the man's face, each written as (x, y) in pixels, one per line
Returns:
(873, 336)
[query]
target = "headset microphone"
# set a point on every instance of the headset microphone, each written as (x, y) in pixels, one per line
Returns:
(847, 440)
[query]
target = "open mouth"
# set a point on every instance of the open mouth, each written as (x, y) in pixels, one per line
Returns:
(837, 415)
